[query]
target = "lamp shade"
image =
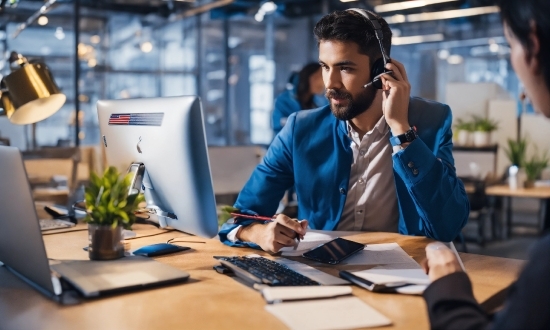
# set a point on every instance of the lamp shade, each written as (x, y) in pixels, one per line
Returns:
(29, 94)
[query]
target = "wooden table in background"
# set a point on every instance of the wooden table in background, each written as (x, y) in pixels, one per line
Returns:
(210, 300)
(541, 193)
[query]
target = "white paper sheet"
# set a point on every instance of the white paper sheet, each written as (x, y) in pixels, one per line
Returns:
(378, 254)
(338, 313)
(392, 265)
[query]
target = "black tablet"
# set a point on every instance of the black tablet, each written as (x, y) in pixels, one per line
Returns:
(334, 251)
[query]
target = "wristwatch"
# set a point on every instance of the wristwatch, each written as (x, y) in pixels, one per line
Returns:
(408, 136)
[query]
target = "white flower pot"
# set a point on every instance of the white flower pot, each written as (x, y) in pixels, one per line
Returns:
(482, 139)
(464, 138)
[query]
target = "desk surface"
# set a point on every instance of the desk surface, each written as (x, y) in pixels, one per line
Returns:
(210, 300)
(504, 190)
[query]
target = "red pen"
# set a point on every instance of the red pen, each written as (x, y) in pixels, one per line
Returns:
(252, 216)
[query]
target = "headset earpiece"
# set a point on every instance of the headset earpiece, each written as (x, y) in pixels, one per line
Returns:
(377, 69)
(379, 66)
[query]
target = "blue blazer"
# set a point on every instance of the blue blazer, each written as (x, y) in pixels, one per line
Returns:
(313, 153)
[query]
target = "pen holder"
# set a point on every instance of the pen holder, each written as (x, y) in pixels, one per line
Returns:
(105, 242)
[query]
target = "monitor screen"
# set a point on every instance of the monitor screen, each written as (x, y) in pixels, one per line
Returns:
(167, 136)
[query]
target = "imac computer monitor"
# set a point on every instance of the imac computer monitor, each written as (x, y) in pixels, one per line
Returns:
(167, 136)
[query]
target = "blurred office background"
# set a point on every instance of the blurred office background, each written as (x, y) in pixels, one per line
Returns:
(238, 54)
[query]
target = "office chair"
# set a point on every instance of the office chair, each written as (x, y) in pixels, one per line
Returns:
(479, 207)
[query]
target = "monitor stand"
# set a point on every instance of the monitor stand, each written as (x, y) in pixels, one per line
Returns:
(152, 212)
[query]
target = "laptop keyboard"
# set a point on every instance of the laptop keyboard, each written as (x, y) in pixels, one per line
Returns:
(265, 271)
(50, 224)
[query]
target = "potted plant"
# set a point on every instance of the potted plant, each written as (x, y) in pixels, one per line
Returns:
(516, 151)
(533, 168)
(483, 128)
(464, 131)
(516, 155)
(109, 210)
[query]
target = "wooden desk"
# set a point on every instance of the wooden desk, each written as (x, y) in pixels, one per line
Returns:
(210, 300)
(541, 193)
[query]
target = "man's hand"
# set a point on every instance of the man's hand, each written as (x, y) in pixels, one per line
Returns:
(395, 100)
(441, 261)
(274, 235)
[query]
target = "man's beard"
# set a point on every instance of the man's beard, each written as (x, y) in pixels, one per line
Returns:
(355, 106)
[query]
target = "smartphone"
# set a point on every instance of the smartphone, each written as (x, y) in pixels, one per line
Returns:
(159, 249)
(335, 251)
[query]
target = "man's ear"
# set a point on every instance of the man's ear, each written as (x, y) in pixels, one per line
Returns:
(534, 51)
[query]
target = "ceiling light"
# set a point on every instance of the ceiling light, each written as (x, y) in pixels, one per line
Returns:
(439, 15)
(406, 5)
(348, 0)
(455, 59)
(146, 47)
(494, 48)
(396, 41)
(95, 39)
(259, 17)
(92, 62)
(42, 20)
(59, 34)
(268, 7)
(443, 54)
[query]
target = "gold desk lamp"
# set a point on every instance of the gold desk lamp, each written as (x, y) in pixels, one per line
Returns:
(29, 93)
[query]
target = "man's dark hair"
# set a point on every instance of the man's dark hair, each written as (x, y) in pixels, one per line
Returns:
(350, 26)
(519, 15)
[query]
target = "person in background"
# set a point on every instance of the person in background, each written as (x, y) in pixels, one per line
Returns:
(375, 159)
(306, 93)
(450, 300)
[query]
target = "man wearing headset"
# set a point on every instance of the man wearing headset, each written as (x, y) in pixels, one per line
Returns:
(375, 159)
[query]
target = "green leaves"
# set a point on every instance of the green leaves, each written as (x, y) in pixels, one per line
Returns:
(516, 151)
(107, 200)
(224, 213)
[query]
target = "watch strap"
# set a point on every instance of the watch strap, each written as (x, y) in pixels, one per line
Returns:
(408, 136)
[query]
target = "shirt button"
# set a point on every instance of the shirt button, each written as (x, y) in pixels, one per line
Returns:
(410, 164)
(361, 181)
(342, 191)
(362, 152)
(359, 211)
(415, 172)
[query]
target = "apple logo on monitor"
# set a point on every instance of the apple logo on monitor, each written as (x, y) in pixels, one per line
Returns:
(137, 146)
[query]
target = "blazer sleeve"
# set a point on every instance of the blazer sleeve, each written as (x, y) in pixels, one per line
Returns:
(430, 178)
(267, 184)
(451, 303)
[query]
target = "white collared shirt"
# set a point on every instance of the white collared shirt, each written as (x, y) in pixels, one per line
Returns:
(371, 201)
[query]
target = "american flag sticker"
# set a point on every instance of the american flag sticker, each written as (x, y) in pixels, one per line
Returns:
(137, 119)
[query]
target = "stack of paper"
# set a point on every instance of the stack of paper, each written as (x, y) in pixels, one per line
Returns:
(336, 313)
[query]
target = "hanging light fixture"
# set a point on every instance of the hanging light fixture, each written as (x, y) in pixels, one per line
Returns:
(29, 94)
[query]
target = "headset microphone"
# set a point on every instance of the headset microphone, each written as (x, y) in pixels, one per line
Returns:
(377, 79)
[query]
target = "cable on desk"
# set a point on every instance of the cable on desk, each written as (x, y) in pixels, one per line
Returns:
(155, 234)
(174, 240)
(63, 232)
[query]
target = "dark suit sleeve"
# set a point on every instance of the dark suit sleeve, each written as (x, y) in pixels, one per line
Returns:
(451, 303)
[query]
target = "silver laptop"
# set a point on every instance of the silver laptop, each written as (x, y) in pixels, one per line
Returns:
(22, 247)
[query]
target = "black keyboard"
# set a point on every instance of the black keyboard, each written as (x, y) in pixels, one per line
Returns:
(265, 271)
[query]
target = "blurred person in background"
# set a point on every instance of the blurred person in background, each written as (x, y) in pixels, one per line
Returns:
(306, 93)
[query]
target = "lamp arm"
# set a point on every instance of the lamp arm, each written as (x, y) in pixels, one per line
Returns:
(43, 10)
